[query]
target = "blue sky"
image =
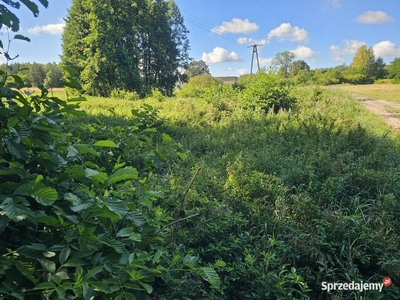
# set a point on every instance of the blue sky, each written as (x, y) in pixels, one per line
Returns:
(324, 33)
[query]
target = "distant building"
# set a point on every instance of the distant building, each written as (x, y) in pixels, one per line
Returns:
(228, 79)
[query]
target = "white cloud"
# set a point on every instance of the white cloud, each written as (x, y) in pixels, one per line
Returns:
(244, 40)
(266, 60)
(386, 49)
(219, 55)
(350, 48)
(303, 52)
(242, 71)
(286, 32)
(372, 17)
(53, 29)
(235, 26)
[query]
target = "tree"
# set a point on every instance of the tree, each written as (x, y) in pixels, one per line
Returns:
(364, 62)
(283, 60)
(394, 69)
(379, 68)
(297, 66)
(53, 76)
(130, 45)
(37, 74)
(196, 67)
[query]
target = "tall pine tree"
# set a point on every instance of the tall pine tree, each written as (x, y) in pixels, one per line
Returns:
(135, 45)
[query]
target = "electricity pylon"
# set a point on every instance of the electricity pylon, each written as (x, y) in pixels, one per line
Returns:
(255, 50)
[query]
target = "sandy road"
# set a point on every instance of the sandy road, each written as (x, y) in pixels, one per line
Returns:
(388, 110)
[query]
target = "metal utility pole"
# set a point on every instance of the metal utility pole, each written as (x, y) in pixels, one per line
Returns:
(255, 50)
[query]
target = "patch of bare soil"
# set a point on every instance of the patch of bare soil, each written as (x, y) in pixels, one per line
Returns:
(388, 110)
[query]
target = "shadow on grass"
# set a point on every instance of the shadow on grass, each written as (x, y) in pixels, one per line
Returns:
(288, 202)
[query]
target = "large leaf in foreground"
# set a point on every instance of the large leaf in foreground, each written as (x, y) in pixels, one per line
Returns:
(126, 173)
(45, 196)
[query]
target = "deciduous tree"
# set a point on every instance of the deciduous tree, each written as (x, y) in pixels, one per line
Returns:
(364, 62)
(297, 66)
(196, 67)
(283, 61)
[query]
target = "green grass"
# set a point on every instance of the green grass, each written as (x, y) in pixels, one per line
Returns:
(379, 91)
(287, 200)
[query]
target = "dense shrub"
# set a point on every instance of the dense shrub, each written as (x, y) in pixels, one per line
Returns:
(77, 219)
(197, 86)
(265, 91)
(125, 95)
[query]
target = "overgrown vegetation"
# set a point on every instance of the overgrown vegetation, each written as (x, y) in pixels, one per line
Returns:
(78, 216)
(276, 187)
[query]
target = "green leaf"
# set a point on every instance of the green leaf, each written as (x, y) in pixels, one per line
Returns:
(105, 143)
(32, 7)
(26, 269)
(210, 276)
(63, 274)
(190, 260)
(64, 254)
(175, 260)
(48, 265)
(45, 286)
(14, 211)
(21, 37)
(101, 286)
(126, 173)
(220, 263)
(117, 206)
(93, 272)
(125, 232)
(37, 246)
(12, 122)
(147, 287)
(39, 178)
(49, 254)
(45, 3)
(45, 196)
(137, 217)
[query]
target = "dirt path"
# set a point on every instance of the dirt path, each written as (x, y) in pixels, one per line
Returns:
(388, 110)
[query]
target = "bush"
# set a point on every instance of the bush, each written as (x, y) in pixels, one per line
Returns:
(358, 78)
(266, 91)
(76, 217)
(124, 95)
(197, 86)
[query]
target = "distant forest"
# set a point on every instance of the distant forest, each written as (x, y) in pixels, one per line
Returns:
(35, 74)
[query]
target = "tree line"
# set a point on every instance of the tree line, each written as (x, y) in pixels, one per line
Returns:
(365, 68)
(127, 45)
(35, 74)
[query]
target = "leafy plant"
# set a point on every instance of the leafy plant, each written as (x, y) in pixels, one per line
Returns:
(265, 92)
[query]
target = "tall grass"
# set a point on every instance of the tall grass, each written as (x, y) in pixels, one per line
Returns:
(287, 200)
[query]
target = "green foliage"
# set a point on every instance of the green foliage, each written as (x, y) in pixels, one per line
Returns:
(297, 66)
(198, 86)
(132, 46)
(36, 74)
(364, 62)
(394, 69)
(125, 95)
(195, 68)
(77, 218)
(283, 62)
(265, 92)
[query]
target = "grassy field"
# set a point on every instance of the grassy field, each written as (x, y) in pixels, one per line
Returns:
(325, 172)
(378, 91)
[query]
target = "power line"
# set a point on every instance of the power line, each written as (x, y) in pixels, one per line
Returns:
(206, 26)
